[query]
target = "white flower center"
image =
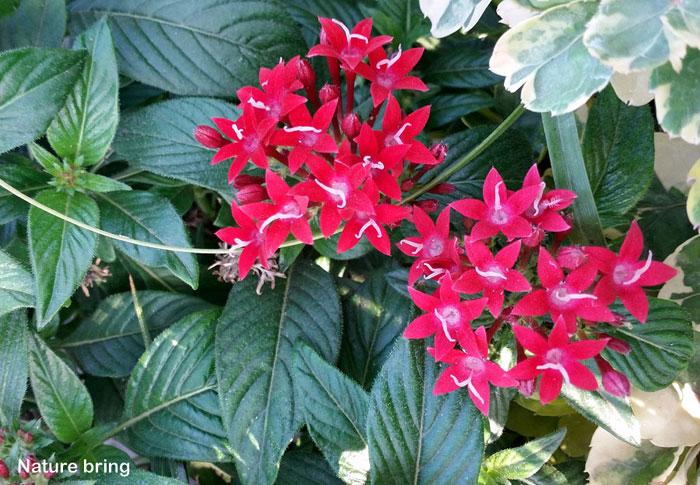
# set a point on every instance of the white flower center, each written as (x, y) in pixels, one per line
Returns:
(258, 104)
(449, 317)
(638, 274)
(469, 385)
(390, 62)
(397, 135)
(336, 192)
(348, 35)
(435, 246)
(302, 129)
(492, 275)
(561, 297)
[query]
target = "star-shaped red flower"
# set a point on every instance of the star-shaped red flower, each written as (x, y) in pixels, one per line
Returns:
(346, 46)
(389, 74)
(276, 98)
(397, 130)
(544, 212)
(247, 237)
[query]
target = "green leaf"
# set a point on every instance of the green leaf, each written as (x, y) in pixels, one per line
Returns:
(693, 204)
(524, 461)
(448, 16)
(375, 315)
(401, 19)
(618, 152)
(109, 342)
(62, 398)
(34, 87)
(547, 475)
(36, 23)
(684, 288)
(61, 253)
(45, 158)
(329, 248)
(6, 8)
(462, 68)
(415, 437)
(335, 412)
(546, 56)
(676, 100)
(87, 123)
(134, 477)
(160, 138)
(148, 217)
(171, 408)
(16, 285)
(307, 12)
(661, 348)
(100, 183)
(450, 107)
(24, 179)
(254, 340)
(210, 48)
(607, 411)
(14, 365)
(299, 467)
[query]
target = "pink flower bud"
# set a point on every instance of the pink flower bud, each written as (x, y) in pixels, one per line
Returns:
(49, 475)
(535, 237)
(526, 387)
(28, 438)
(444, 188)
(616, 383)
(620, 320)
(29, 462)
(328, 93)
(619, 346)
(20, 433)
(351, 125)
(428, 205)
(306, 74)
(571, 257)
(439, 151)
(242, 180)
(4, 471)
(209, 137)
(407, 185)
(250, 194)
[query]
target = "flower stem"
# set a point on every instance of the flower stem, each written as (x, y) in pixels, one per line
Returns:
(475, 152)
(570, 173)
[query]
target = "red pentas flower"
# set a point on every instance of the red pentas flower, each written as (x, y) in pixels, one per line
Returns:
(564, 297)
(276, 98)
(544, 211)
(499, 212)
(556, 359)
(249, 238)
(492, 275)
(399, 130)
(387, 74)
(446, 316)
(349, 47)
(624, 275)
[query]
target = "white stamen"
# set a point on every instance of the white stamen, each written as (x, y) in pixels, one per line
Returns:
(490, 274)
(444, 325)
(301, 128)
(239, 243)
(397, 135)
(417, 246)
(238, 131)
(435, 271)
(336, 192)
(568, 297)
(497, 201)
(276, 217)
(390, 62)
(258, 104)
(558, 367)
(367, 225)
(367, 160)
(348, 35)
(538, 198)
(638, 274)
(469, 385)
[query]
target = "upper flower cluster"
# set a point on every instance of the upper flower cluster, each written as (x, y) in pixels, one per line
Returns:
(335, 164)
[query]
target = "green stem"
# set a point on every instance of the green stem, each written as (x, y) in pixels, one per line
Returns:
(478, 150)
(570, 173)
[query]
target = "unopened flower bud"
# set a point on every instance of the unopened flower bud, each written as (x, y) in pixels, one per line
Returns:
(250, 194)
(443, 188)
(439, 151)
(49, 475)
(535, 237)
(4, 471)
(28, 438)
(20, 433)
(526, 387)
(3, 431)
(209, 137)
(619, 346)
(571, 257)
(620, 321)
(407, 184)
(29, 462)
(328, 93)
(242, 180)
(351, 125)
(306, 74)
(616, 383)
(428, 205)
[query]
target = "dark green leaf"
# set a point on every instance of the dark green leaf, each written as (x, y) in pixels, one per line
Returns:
(618, 150)
(462, 67)
(180, 197)
(661, 348)
(63, 400)
(147, 217)
(6, 8)
(34, 84)
(61, 253)
(160, 138)
(209, 47)
(254, 342)
(14, 365)
(415, 437)
(100, 183)
(375, 316)
(401, 19)
(307, 12)
(450, 107)
(16, 285)
(36, 23)
(24, 179)
(524, 461)
(134, 477)
(335, 412)
(171, 408)
(299, 467)
(109, 343)
(86, 124)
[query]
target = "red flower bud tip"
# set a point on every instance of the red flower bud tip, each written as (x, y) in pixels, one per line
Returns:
(616, 383)
(619, 346)
(443, 189)
(407, 185)
(428, 205)
(250, 194)
(351, 125)
(306, 74)
(439, 151)
(28, 438)
(20, 433)
(620, 321)
(328, 93)
(209, 137)
(4, 471)
(242, 180)
(526, 387)
(535, 237)
(49, 475)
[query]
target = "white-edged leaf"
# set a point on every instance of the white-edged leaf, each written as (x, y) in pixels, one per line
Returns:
(14, 365)
(254, 340)
(633, 88)
(449, 16)
(16, 285)
(87, 123)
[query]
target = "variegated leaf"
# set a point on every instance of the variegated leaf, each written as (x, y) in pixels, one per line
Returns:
(633, 88)
(693, 204)
(448, 16)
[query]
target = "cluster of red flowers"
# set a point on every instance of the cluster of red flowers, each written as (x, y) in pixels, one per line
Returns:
(345, 169)
(523, 217)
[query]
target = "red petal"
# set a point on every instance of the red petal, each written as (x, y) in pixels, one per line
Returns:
(445, 383)
(595, 313)
(606, 290)
(509, 254)
(548, 270)
(329, 220)
(656, 274)
(411, 82)
(226, 152)
(516, 282)
(582, 277)
(472, 208)
(635, 300)
(423, 301)
(553, 222)
(527, 369)
(535, 303)
(421, 327)
(581, 376)
(517, 227)
(494, 182)
(483, 399)
(523, 199)
(302, 231)
(276, 187)
(531, 340)
(483, 230)
(633, 244)
(469, 282)
(550, 385)
(499, 377)
(559, 336)
(495, 303)
(602, 258)
(478, 254)
(532, 177)
(472, 308)
(586, 349)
